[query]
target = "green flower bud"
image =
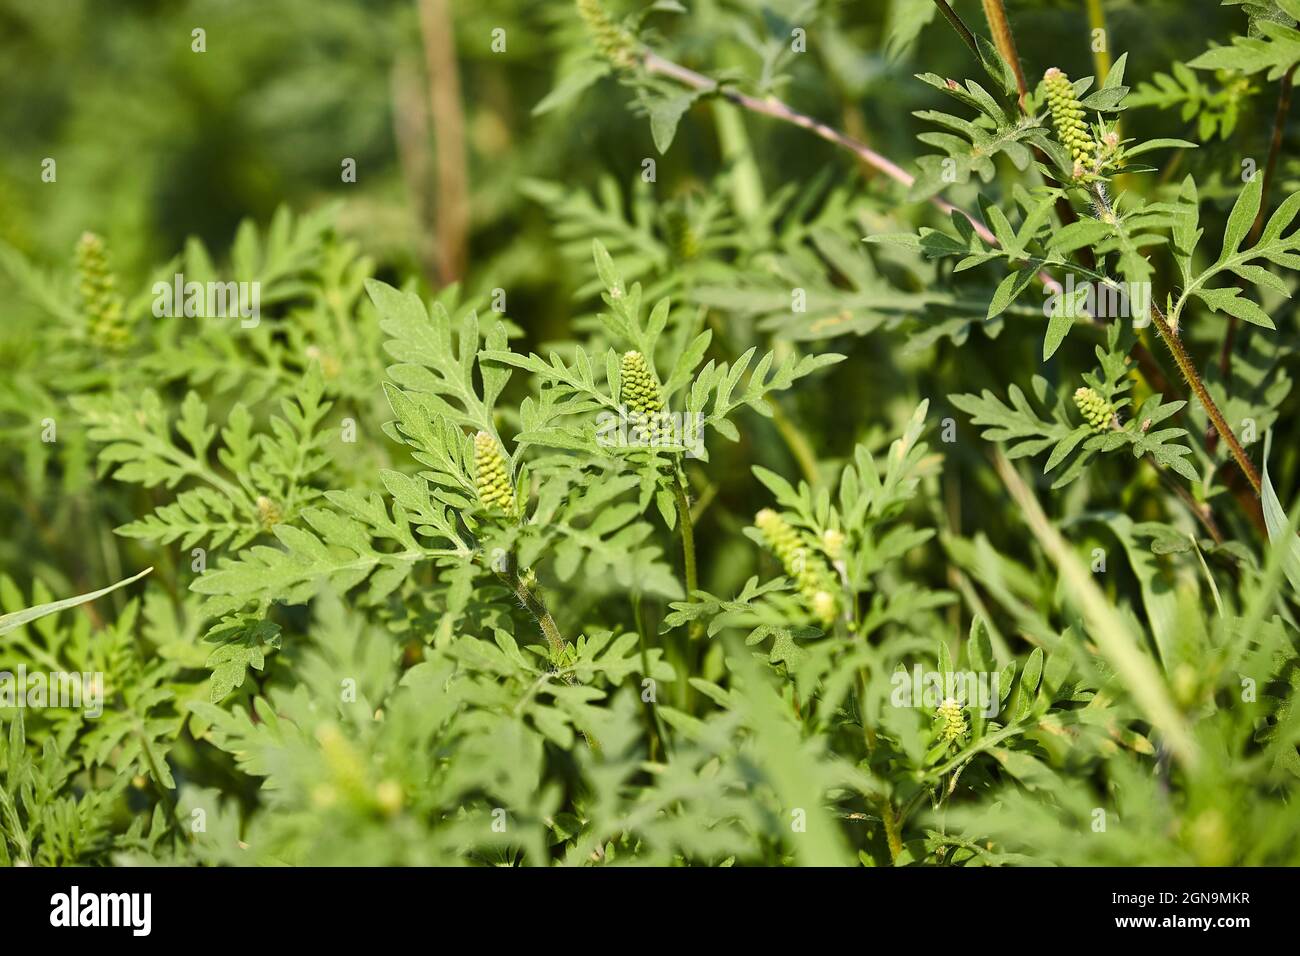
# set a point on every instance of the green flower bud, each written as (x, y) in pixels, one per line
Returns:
(612, 41)
(492, 475)
(813, 578)
(954, 720)
(640, 393)
(1096, 411)
(1068, 118)
(102, 304)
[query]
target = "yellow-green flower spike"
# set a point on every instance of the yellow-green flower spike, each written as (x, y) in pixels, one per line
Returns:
(102, 304)
(954, 720)
(810, 573)
(612, 41)
(492, 476)
(1096, 411)
(639, 391)
(1068, 118)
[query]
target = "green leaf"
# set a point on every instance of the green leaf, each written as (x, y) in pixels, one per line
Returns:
(16, 619)
(1281, 531)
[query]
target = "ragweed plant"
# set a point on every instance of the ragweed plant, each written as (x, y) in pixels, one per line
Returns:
(934, 501)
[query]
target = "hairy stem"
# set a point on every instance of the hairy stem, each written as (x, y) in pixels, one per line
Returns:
(893, 832)
(1005, 41)
(1193, 377)
(537, 608)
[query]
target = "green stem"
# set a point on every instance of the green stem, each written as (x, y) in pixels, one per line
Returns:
(1100, 58)
(686, 525)
(959, 25)
(654, 743)
(746, 182)
(893, 833)
(538, 610)
(542, 615)
(795, 440)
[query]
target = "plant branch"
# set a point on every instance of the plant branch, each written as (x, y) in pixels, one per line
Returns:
(770, 106)
(1005, 40)
(959, 25)
(994, 10)
(537, 608)
(893, 832)
(1185, 365)
(1188, 368)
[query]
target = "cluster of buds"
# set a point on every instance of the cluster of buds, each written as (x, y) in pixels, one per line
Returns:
(639, 392)
(103, 305)
(809, 572)
(613, 42)
(492, 479)
(1096, 411)
(953, 719)
(1068, 118)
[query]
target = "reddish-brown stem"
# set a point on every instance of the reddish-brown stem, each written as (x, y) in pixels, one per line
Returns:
(772, 107)
(1188, 368)
(1005, 41)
